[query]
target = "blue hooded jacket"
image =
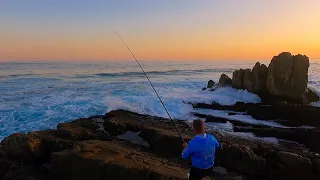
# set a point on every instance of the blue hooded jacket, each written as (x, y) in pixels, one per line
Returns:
(202, 149)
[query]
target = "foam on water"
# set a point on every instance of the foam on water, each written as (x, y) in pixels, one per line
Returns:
(251, 136)
(146, 102)
(315, 87)
(35, 96)
(220, 127)
(238, 117)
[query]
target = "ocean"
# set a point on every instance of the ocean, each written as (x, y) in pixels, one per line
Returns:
(37, 96)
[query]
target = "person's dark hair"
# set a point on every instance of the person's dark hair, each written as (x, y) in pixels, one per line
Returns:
(198, 124)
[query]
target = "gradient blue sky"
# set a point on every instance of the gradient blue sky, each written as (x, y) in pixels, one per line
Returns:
(157, 30)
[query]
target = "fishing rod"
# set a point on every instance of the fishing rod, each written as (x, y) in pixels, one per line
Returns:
(174, 124)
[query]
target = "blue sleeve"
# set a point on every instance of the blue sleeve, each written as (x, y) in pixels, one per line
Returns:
(187, 151)
(215, 142)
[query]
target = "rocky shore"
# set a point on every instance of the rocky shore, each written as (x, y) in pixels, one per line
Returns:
(126, 145)
(93, 148)
(285, 79)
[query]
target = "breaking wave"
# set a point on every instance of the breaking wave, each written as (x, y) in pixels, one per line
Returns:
(35, 96)
(171, 72)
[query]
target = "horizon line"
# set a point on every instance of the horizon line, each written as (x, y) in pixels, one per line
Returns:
(129, 60)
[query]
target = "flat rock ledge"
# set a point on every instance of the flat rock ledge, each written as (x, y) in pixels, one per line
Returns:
(89, 148)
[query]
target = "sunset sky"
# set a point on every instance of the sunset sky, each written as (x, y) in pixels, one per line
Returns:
(166, 30)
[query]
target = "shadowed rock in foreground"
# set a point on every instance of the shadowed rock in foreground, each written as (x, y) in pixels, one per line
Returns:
(89, 149)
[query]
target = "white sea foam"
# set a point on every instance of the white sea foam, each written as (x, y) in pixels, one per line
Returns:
(48, 94)
(316, 89)
(251, 136)
(220, 127)
(175, 100)
(239, 117)
(224, 96)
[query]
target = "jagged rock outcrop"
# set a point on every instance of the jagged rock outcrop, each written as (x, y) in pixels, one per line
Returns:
(252, 80)
(247, 157)
(210, 84)
(284, 113)
(310, 96)
(259, 73)
(248, 80)
(225, 80)
(237, 79)
(96, 153)
(22, 146)
(288, 76)
(285, 79)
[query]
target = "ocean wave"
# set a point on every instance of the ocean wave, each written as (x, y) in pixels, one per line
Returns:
(47, 96)
(171, 72)
(18, 75)
(174, 99)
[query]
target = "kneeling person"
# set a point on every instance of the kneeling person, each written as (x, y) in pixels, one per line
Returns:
(202, 150)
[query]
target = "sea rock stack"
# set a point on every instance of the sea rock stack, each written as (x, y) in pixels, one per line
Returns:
(259, 73)
(288, 76)
(285, 79)
(252, 80)
(248, 80)
(237, 79)
(211, 83)
(225, 80)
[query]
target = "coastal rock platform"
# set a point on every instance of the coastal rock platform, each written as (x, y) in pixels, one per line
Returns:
(95, 148)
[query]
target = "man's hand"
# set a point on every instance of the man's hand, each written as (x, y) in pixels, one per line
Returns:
(184, 145)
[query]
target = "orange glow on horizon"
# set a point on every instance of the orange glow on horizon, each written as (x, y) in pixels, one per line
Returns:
(246, 30)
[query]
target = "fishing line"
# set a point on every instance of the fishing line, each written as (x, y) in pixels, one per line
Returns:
(174, 124)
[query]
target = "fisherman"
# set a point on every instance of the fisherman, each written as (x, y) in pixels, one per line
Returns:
(202, 150)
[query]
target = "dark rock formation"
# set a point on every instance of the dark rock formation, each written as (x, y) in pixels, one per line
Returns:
(210, 84)
(242, 158)
(248, 80)
(284, 80)
(252, 80)
(97, 160)
(288, 76)
(259, 73)
(211, 118)
(310, 97)
(282, 112)
(237, 79)
(238, 155)
(22, 146)
(225, 80)
(307, 137)
(156, 131)
(83, 150)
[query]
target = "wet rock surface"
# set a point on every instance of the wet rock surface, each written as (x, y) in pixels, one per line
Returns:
(88, 148)
(286, 114)
(300, 123)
